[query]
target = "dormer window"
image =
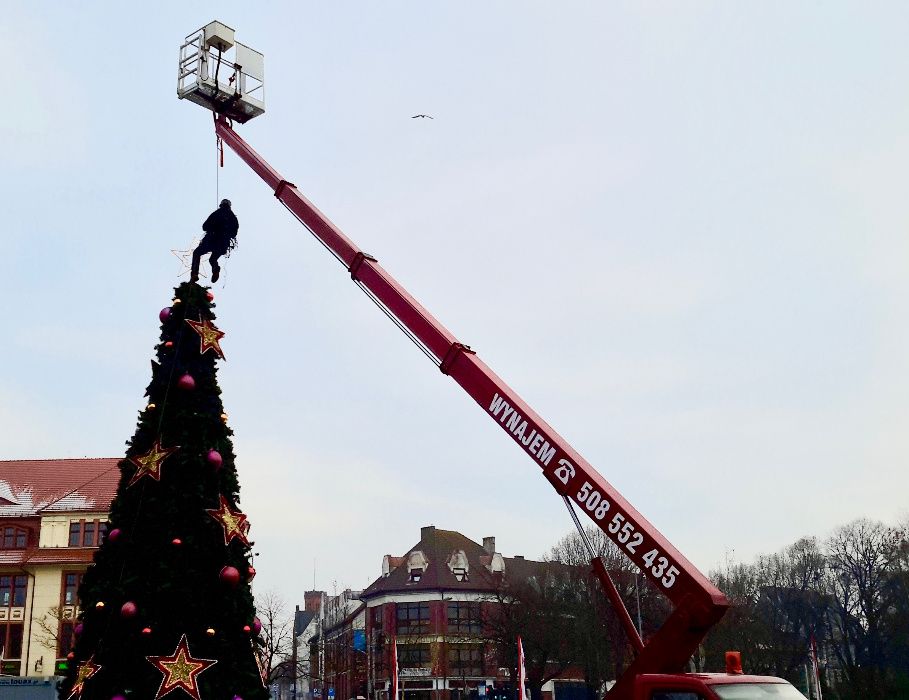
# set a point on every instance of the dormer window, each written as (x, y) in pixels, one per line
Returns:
(416, 565)
(458, 565)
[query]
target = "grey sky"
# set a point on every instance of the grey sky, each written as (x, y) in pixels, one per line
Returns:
(678, 230)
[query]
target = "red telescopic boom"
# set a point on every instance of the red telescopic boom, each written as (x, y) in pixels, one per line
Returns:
(698, 604)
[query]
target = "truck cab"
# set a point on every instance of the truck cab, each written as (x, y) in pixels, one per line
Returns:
(712, 686)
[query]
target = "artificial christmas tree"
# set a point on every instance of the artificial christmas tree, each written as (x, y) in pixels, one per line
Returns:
(166, 606)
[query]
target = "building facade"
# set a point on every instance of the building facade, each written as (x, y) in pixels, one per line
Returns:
(432, 607)
(53, 515)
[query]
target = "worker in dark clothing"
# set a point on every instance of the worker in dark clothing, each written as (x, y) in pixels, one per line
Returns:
(220, 238)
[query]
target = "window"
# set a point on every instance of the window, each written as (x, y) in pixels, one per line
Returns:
(412, 618)
(465, 618)
(414, 656)
(465, 659)
(71, 583)
(416, 575)
(14, 538)
(86, 533)
(65, 638)
(12, 591)
(11, 641)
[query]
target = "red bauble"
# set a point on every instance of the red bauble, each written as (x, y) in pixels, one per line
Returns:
(211, 297)
(71, 656)
(128, 610)
(146, 631)
(186, 382)
(164, 314)
(169, 344)
(176, 542)
(214, 459)
(247, 629)
(114, 534)
(251, 571)
(230, 576)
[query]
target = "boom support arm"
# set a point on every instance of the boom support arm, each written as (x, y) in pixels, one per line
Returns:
(698, 603)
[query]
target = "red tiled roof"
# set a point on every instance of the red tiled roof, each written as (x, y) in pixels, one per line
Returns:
(28, 487)
(48, 555)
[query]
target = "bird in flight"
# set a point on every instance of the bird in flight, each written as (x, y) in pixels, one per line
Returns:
(421, 116)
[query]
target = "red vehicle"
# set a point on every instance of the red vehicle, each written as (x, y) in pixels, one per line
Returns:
(657, 670)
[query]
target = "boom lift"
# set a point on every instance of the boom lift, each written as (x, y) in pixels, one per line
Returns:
(234, 91)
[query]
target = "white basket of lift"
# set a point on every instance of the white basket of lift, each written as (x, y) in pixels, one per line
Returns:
(221, 74)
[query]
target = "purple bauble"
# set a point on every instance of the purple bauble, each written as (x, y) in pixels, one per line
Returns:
(128, 610)
(164, 314)
(114, 534)
(77, 630)
(186, 382)
(118, 697)
(237, 697)
(257, 625)
(214, 459)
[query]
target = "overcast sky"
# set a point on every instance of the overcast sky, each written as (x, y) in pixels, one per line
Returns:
(678, 230)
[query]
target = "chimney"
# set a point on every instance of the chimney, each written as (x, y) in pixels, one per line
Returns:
(489, 544)
(312, 600)
(426, 532)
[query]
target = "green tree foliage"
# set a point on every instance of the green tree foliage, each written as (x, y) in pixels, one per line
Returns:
(169, 552)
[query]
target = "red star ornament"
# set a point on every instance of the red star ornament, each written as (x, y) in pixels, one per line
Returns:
(180, 670)
(86, 671)
(210, 336)
(150, 463)
(234, 522)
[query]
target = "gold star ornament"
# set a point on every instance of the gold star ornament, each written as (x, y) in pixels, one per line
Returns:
(149, 464)
(86, 670)
(234, 522)
(210, 336)
(180, 670)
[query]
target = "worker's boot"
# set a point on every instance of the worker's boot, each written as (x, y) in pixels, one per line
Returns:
(215, 272)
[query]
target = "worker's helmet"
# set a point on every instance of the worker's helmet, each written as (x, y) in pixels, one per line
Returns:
(225, 203)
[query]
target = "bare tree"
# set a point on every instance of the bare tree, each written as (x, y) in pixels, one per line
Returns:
(277, 632)
(865, 559)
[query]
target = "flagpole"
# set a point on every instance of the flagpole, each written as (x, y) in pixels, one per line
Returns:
(394, 668)
(522, 673)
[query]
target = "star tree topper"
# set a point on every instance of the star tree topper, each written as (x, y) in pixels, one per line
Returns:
(180, 670)
(86, 671)
(150, 462)
(234, 522)
(210, 336)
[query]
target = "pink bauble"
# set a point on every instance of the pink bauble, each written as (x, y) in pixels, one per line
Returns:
(118, 697)
(251, 571)
(114, 534)
(164, 314)
(128, 610)
(230, 576)
(214, 459)
(257, 625)
(186, 382)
